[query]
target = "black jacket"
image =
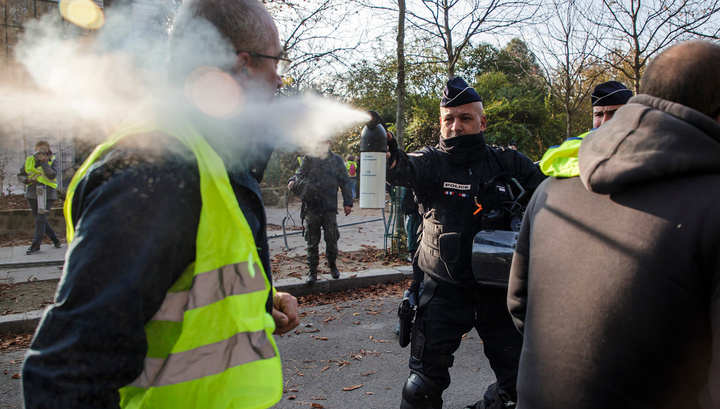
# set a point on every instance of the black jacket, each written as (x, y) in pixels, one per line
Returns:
(449, 190)
(136, 215)
(616, 276)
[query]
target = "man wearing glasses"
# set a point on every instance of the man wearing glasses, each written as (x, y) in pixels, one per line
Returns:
(166, 298)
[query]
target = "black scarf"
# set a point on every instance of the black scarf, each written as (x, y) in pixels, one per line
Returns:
(464, 149)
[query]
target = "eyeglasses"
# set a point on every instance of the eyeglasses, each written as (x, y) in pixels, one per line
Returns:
(282, 63)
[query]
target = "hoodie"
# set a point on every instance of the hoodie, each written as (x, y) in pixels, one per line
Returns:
(615, 282)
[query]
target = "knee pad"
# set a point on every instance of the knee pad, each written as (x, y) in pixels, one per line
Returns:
(420, 392)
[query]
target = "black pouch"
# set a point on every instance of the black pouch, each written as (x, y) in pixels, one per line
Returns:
(303, 210)
(450, 245)
(494, 219)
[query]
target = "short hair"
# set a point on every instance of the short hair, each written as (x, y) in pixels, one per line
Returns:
(686, 73)
(240, 21)
(239, 25)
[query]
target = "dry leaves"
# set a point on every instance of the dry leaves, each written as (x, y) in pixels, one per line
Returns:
(352, 388)
(13, 342)
(392, 290)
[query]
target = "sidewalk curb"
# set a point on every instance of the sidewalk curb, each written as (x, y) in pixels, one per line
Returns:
(28, 321)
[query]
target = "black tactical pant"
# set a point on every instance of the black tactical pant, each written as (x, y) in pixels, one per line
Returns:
(450, 314)
(328, 222)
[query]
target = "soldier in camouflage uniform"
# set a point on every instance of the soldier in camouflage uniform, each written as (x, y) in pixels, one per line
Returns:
(316, 183)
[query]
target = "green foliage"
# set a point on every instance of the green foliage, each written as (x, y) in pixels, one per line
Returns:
(478, 60)
(371, 86)
(517, 103)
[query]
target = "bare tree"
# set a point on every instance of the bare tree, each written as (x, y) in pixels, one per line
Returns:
(454, 23)
(633, 31)
(315, 36)
(565, 46)
(4, 161)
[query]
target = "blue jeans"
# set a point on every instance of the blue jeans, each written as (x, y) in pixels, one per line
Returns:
(413, 224)
(42, 226)
(353, 185)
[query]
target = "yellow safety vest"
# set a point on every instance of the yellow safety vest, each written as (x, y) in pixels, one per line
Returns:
(562, 160)
(37, 174)
(348, 164)
(210, 344)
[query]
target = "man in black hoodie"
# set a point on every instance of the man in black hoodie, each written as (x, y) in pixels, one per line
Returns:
(616, 277)
(462, 186)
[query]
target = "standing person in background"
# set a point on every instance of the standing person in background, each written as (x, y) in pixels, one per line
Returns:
(166, 298)
(561, 160)
(351, 167)
(39, 174)
(615, 281)
(316, 184)
(606, 99)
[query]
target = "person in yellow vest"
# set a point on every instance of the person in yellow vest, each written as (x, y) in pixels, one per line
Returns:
(166, 298)
(606, 98)
(39, 174)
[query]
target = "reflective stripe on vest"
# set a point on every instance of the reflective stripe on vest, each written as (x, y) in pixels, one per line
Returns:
(38, 174)
(562, 160)
(210, 344)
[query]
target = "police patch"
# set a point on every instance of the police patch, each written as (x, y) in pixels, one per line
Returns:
(456, 186)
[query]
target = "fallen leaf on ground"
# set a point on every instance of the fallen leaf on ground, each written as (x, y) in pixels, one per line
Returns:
(352, 388)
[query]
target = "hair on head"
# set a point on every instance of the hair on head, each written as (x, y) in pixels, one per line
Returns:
(686, 73)
(209, 32)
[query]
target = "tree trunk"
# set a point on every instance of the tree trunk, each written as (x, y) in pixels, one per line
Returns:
(400, 113)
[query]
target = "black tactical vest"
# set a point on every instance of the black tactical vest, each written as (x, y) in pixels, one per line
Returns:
(459, 203)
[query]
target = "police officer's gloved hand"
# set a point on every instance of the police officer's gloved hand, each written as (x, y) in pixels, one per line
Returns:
(415, 287)
(393, 149)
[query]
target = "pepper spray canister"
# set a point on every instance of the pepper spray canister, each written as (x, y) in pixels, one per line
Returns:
(373, 148)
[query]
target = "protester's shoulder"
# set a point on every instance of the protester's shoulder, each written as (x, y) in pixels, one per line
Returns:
(147, 158)
(337, 159)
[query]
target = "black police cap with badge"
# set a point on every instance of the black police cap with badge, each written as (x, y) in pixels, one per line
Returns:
(457, 92)
(610, 93)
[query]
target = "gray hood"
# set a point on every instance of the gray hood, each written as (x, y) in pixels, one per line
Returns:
(649, 138)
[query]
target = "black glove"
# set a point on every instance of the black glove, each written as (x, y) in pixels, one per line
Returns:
(393, 149)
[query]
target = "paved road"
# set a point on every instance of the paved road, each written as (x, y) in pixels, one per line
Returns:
(360, 349)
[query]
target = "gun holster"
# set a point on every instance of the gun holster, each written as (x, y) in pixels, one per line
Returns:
(406, 313)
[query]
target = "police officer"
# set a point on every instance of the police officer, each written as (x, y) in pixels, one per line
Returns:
(561, 160)
(316, 183)
(462, 186)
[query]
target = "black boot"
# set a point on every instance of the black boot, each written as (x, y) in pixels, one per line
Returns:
(312, 276)
(334, 272)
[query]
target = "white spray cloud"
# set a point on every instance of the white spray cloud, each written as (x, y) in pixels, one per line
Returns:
(101, 78)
